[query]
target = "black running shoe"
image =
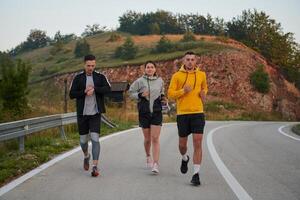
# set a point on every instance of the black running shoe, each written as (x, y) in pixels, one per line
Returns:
(95, 171)
(196, 180)
(86, 163)
(184, 165)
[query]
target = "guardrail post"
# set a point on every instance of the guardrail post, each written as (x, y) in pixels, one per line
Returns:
(21, 144)
(62, 133)
(22, 140)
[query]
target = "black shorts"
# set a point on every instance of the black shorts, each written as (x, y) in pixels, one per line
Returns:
(89, 123)
(190, 123)
(148, 119)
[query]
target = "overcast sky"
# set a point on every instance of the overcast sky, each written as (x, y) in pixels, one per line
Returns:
(18, 17)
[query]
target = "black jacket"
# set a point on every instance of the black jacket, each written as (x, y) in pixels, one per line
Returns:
(144, 107)
(101, 86)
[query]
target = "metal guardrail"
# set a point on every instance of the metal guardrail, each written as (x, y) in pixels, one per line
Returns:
(19, 129)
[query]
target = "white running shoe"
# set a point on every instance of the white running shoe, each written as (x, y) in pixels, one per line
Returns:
(149, 162)
(155, 168)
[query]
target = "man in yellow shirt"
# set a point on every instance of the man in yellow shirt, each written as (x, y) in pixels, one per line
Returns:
(188, 87)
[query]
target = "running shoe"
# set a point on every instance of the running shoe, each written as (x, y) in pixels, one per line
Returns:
(184, 165)
(195, 180)
(95, 171)
(86, 163)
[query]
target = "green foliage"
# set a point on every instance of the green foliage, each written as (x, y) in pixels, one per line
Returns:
(265, 35)
(58, 37)
(163, 45)
(93, 30)
(260, 80)
(188, 37)
(14, 86)
(163, 22)
(82, 48)
(154, 28)
(127, 51)
(149, 23)
(36, 39)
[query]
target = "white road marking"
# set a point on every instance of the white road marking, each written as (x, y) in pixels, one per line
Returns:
(18, 181)
(285, 134)
(239, 191)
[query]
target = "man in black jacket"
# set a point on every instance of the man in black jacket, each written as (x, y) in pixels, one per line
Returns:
(89, 87)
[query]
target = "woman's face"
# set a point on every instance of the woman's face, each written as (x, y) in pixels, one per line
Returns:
(150, 69)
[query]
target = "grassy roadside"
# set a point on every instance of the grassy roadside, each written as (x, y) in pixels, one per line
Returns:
(296, 129)
(40, 148)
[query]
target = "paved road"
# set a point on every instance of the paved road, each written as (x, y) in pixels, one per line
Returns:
(257, 162)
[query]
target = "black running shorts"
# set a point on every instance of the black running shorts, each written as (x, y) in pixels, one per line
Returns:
(148, 119)
(89, 123)
(190, 123)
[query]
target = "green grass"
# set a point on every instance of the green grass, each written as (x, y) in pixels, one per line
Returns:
(64, 61)
(296, 129)
(40, 148)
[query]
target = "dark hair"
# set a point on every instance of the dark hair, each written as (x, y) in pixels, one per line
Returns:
(89, 57)
(151, 62)
(189, 53)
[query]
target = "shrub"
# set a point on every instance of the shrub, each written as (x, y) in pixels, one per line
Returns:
(188, 37)
(127, 51)
(82, 48)
(260, 80)
(163, 45)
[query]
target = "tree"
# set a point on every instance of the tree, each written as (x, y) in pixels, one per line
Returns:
(154, 28)
(127, 51)
(36, 39)
(82, 48)
(163, 45)
(258, 31)
(93, 30)
(14, 86)
(58, 37)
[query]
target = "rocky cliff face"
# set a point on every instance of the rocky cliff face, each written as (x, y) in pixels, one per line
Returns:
(228, 79)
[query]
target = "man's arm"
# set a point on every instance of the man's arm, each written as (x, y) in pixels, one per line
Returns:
(105, 86)
(75, 92)
(204, 89)
(173, 92)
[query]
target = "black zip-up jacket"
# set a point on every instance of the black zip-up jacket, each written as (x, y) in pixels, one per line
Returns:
(101, 87)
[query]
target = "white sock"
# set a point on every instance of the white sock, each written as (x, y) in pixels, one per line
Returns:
(184, 157)
(196, 168)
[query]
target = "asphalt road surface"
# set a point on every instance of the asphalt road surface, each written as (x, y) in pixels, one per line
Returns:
(241, 160)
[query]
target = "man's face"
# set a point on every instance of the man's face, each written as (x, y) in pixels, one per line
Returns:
(189, 62)
(89, 66)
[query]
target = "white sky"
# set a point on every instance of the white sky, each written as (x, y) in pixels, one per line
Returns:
(18, 17)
